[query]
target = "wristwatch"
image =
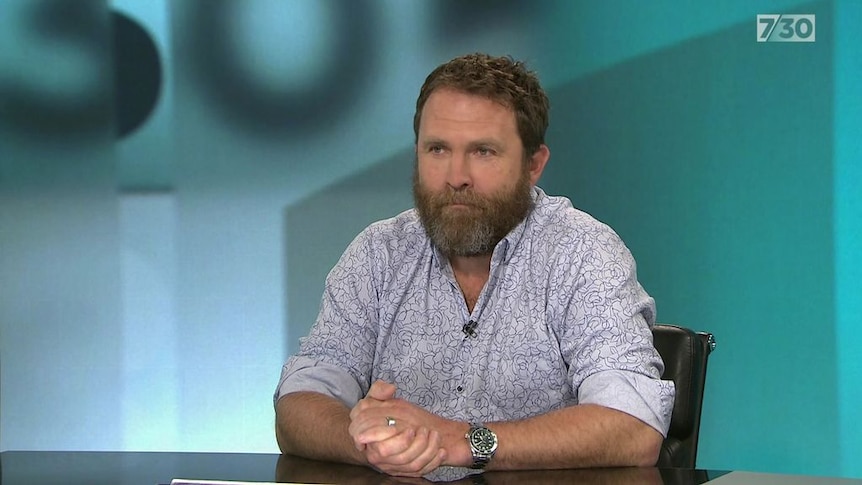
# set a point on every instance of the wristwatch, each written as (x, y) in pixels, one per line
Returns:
(483, 444)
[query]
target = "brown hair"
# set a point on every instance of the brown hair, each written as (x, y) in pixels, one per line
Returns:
(500, 79)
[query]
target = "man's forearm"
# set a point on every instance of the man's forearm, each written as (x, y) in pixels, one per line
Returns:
(576, 437)
(313, 425)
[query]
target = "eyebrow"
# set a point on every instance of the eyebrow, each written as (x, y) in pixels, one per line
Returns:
(433, 141)
(486, 142)
(482, 142)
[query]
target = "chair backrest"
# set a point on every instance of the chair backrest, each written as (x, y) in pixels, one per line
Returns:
(685, 354)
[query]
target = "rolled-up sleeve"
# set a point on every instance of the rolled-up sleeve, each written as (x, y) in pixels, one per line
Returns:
(307, 374)
(336, 357)
(646, 398)
(607, 336)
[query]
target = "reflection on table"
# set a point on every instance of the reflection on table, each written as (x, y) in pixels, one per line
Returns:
(296, 469)
(141, 468)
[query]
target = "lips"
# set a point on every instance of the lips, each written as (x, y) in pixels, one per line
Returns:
(460, 206)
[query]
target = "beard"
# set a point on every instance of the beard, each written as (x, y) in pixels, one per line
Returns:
(476, 229)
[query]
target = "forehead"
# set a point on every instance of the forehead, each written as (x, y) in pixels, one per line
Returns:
(449, 109)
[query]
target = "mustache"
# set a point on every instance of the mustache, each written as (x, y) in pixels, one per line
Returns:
(460, 197)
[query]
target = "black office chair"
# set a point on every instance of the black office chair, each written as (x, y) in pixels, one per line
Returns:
(685, 354)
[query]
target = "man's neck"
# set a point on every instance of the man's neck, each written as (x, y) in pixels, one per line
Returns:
(471, 273)
(472, 266)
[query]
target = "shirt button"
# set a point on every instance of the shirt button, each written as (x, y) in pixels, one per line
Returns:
(459, 389)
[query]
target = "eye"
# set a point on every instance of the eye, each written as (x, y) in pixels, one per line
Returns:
(436, 149)
(484, 151)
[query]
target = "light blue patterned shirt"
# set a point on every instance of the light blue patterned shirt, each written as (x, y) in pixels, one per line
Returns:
(562, 320)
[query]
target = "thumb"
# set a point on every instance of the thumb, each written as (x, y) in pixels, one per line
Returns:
(381, 390)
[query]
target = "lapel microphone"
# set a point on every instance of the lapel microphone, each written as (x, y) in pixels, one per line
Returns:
(469, 329)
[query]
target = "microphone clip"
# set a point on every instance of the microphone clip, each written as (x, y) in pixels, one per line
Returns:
(469, 329)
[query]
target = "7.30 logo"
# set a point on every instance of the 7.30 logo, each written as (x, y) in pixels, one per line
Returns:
(785, 28)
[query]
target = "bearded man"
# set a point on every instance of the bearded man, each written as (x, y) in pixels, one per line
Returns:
(493, 326)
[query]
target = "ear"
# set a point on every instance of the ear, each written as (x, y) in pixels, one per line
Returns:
(538, 160)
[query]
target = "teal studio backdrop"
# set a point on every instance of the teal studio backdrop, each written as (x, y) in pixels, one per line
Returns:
(177, 178)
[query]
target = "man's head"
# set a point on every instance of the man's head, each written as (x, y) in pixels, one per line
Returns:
(476, 117)
(500, 79)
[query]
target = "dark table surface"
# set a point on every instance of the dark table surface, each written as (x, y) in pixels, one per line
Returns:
(133, 468)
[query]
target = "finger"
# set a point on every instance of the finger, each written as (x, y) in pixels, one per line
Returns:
(377, 434)
(396, 416)
(413, 469)
(439, 457)
(369, 404)
(370, 407)
(381, 390)
(435, 463)
(421, 452)
(422, 456)
(364, 422)
(357, 411)
(379, 453)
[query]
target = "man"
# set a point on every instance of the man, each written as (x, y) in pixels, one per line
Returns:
(492, 326)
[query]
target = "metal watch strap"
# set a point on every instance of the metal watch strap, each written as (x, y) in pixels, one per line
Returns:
(480, 461)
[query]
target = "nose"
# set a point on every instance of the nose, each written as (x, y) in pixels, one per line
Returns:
(458, 176)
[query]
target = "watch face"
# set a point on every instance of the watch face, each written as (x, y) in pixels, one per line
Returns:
(483, 440)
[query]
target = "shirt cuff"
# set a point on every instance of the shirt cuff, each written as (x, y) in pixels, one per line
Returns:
(646, 398)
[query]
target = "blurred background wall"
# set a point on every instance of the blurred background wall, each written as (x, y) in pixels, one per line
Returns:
(177, 178)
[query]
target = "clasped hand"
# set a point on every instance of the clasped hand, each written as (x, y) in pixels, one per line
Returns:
(396, 436)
